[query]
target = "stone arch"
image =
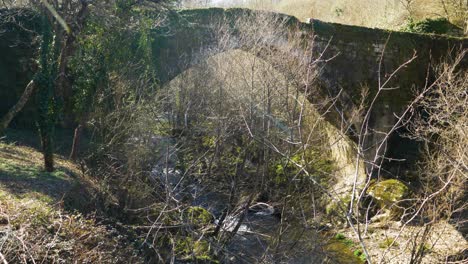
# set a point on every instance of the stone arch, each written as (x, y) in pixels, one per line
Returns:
(192, 37)
(364, 57)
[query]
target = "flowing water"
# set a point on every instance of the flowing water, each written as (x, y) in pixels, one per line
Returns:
(262, 236)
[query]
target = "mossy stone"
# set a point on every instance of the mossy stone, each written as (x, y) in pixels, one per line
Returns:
(388, 191)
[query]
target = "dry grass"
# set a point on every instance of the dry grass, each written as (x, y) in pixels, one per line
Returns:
(40, 219)
(387, 243)
(390, 14)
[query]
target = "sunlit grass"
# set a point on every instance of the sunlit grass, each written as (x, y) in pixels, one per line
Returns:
(26, 163)
(22, 175)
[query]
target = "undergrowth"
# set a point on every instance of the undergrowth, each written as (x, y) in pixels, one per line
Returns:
(41, 219)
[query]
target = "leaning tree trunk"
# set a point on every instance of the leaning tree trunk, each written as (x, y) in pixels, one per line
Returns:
(6, 119)
(76, 141)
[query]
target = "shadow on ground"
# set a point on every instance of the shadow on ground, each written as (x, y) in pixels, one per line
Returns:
(22, 176)
(63, 139)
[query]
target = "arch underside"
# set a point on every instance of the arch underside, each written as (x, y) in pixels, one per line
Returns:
(243, 79)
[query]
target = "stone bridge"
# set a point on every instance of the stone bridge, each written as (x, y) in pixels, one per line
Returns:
(191, 36)
(359, 57)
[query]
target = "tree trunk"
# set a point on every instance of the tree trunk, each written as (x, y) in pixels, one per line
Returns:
(76, 141)
(18, 106)
(47, 149)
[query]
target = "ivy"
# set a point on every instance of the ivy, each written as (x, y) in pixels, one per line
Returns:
(44, 78)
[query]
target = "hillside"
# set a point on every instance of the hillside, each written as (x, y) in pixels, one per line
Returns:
(50, 217)
(388, 14)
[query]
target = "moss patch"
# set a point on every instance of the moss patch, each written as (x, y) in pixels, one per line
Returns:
(198, 216)
(198, 250)
(345, 250)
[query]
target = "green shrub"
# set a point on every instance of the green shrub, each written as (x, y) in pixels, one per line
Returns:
(343, 239)
(439, 26)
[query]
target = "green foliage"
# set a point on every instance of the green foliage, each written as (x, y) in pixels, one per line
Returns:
(358, 253)
(431, 26)
(346, 249)
(425, 248)
(312, 160)
(340, 236)
(89, 69)
(111, 75)
(209, 141)
(122, 7)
